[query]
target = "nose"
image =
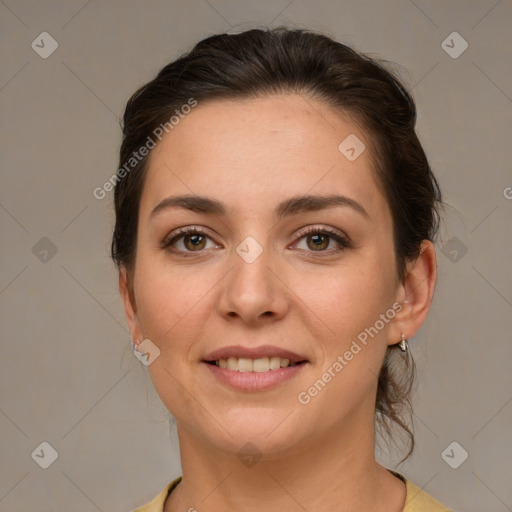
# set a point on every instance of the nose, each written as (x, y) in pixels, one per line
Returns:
(254, 291)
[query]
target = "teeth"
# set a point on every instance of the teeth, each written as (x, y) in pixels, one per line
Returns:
(263, 364)
(258, 365)
(244, 365)
(275, 363)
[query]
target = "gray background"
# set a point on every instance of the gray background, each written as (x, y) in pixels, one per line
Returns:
(68, 376)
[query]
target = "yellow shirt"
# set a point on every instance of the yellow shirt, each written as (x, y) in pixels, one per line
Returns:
(416, 500)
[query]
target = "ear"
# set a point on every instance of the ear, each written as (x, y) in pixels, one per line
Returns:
(415, 294)
(126, 290)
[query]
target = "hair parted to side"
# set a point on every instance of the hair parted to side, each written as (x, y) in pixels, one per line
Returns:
(259, 62)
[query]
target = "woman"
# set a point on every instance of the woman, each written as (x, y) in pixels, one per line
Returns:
(275, 219)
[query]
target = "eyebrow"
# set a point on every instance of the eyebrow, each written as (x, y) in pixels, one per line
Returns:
(291, 206)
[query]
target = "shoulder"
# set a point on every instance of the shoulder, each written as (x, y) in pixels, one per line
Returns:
(157, 503)
(417, 500)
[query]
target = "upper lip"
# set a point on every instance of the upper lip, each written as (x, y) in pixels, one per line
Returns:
(254, 353)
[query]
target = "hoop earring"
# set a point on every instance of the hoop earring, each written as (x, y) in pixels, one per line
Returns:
(403, 344)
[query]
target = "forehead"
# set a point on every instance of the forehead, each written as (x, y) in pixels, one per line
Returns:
(248, 152)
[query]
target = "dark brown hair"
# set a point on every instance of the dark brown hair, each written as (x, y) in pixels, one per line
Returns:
(262, 62)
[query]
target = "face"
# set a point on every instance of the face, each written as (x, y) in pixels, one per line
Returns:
(263, 268)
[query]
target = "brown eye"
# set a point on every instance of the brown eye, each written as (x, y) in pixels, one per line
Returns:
(318, 240)
(186, 240)
(194, 242)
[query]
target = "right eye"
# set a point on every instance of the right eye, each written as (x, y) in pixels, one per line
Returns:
(192, 239)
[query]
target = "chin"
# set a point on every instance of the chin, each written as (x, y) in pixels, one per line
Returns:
(260, 431)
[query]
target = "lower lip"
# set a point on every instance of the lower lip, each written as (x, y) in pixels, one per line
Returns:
(254, 381)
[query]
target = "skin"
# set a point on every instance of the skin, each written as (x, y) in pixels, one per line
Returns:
(250, 155)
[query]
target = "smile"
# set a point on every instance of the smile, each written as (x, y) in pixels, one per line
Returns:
(262, 364)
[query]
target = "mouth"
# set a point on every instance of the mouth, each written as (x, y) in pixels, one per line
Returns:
(266, 358)
(254, 370)
(259, 365)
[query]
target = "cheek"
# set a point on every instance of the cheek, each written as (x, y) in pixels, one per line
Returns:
(171, 301)
(347, 299)
(353, 347)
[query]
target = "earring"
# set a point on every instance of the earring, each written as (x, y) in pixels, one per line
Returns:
(403, 344)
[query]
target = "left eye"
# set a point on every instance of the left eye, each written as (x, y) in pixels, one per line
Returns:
(319, 239)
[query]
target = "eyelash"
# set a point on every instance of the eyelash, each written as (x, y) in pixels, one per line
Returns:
(193, 230)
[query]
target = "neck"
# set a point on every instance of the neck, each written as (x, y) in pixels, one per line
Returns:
(337, 472)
